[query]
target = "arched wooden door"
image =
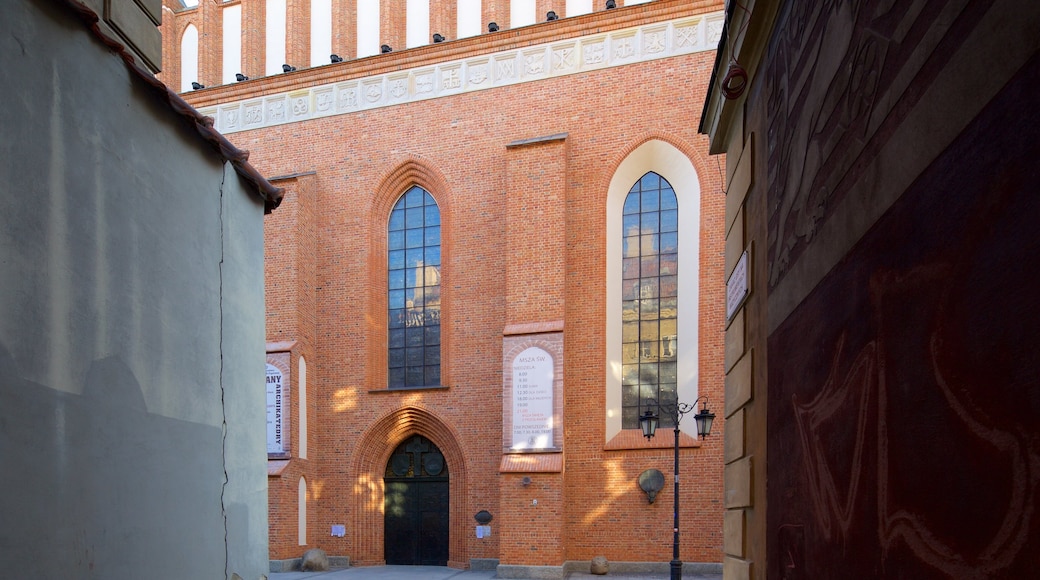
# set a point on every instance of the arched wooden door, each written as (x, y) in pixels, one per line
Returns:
(416, 505)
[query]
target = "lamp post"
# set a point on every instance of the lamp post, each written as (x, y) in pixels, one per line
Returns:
(648, 423)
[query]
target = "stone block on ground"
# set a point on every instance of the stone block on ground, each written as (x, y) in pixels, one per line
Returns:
(314, 560)
(599, 565)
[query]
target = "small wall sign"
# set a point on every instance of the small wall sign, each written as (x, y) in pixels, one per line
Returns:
(737, 286)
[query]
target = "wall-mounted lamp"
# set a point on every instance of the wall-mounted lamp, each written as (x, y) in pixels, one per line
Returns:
(526, 481)
(195, 85)
(438, 37)
(335, 58)
(651, 481)
(492, 27)
(385, 49)
(550, 16)
(241, 77)
(287, 68)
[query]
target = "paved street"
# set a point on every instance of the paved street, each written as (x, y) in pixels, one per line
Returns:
(443, 573)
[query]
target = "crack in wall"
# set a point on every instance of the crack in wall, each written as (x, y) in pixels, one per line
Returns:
(223, 408)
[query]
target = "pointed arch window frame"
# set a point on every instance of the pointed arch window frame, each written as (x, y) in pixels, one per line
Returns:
(673, 165)
(406, 319)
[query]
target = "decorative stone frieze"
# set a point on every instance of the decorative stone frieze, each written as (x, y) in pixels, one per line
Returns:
(528, 64)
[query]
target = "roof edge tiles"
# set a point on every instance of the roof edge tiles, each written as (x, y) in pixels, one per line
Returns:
(239, 158)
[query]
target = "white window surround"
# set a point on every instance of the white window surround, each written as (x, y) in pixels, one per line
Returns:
(468, 18)
(522, 13)
(579, 7)
(302, 387)
(417, 23)
(189, 57)
(275, 38)
(232, 49)
(321, 32)
(367, 28)
(671, 164)
(301, 511)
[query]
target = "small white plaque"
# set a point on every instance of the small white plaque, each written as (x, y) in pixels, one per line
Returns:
(737, 286)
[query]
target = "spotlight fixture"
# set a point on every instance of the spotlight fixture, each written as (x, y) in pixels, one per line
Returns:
(195, 85)
(550, 16)
(385, 49)
(287, 68)
(611, 4)
(241, 77)
(438, 38)
(335, 58)
(492, 27)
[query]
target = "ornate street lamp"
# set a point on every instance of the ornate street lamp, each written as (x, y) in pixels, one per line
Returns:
(648, 422)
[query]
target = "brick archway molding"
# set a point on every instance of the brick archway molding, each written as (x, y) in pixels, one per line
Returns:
(369, 463)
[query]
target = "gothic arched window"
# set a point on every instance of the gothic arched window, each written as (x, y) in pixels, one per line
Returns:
(189, 57)
(649, 298)
(414, 291)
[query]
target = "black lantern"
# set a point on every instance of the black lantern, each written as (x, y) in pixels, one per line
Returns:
(704, 418)
(648, 422)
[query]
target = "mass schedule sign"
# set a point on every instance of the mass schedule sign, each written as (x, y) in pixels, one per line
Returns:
(533, 400)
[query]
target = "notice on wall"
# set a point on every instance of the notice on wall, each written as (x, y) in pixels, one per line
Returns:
(737, 286)
(276, 410)
(532, 400)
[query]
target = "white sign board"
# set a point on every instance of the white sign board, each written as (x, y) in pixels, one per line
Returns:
(533, 400)
(275, 410)
(737, 286)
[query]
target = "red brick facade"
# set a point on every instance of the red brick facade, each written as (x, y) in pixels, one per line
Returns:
(523, 240)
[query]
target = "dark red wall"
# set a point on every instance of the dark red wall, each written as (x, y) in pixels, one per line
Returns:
(904, 404)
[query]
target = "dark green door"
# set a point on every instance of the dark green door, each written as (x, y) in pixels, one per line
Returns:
(416, 505)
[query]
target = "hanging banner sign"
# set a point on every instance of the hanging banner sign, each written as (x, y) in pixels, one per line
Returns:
(275, 411)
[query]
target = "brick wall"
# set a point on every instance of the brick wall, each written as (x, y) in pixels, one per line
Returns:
(330, 239)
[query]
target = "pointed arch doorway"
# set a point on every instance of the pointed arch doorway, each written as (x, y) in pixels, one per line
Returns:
(416, 529)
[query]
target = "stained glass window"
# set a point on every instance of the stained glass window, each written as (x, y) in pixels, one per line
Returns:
(414, 291)
(650, 249)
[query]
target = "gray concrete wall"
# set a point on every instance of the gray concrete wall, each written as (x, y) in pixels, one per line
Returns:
(131, 325)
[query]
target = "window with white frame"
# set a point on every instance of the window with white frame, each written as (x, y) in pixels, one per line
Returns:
(274, 39)
(232, 43)
(189, 57)
(652, 248)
